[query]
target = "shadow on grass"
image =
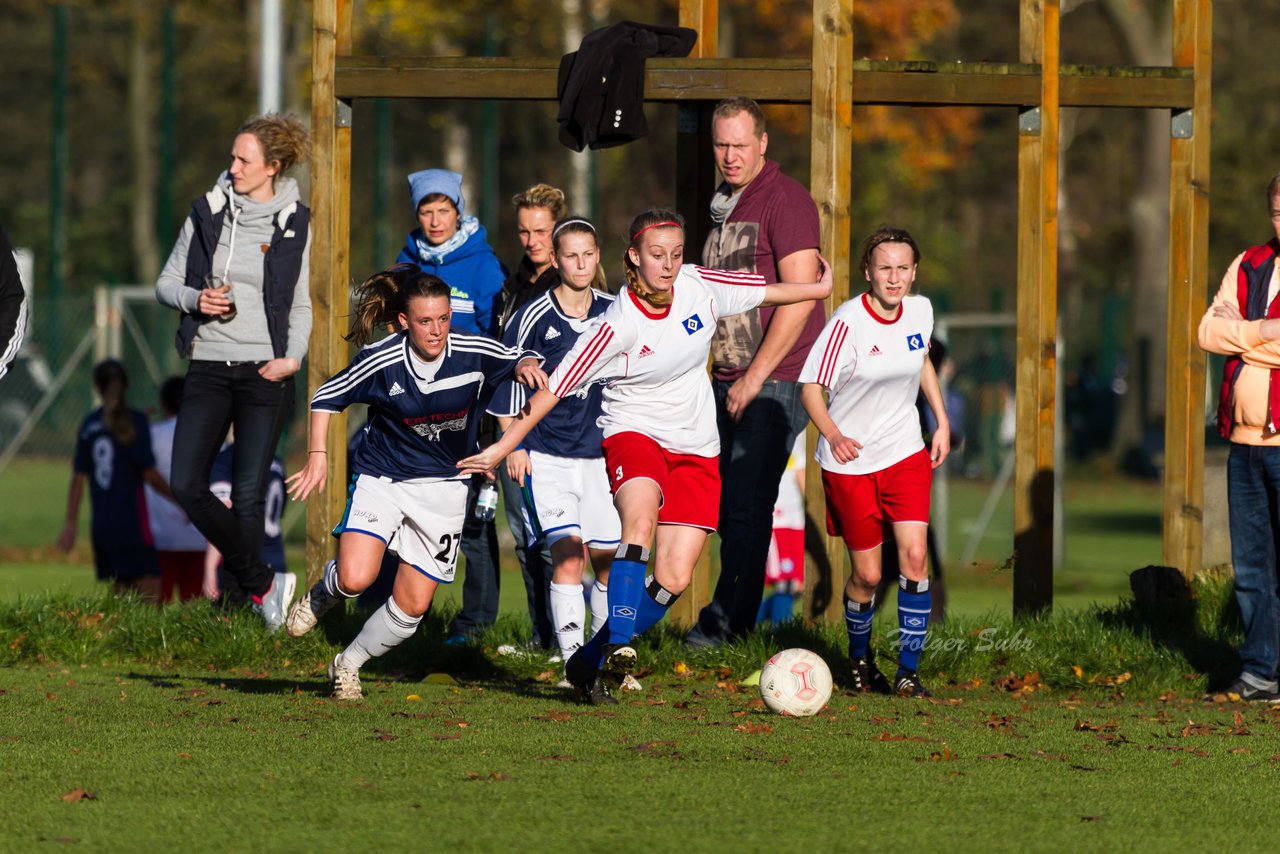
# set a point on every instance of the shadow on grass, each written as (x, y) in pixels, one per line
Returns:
(1200, 621)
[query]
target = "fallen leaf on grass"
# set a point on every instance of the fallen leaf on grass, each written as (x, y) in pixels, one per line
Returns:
(184, 755)
(460, 724)
(1177, 747)
(1055, 757)
(999, 723)
(680, 668)
(944, 755)
(888, 736)
(493, 776)
(970, 685)
(383, 735)
(1011, 683)
(997, 756)
(1239, 750)
(414, 698)
(1193, 728)
(75, 796)
(1091, 818)
(1078, 671)
(553, 715)
(1090, 726)
(753, 727)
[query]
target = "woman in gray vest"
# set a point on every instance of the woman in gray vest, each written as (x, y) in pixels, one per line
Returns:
(239, 276)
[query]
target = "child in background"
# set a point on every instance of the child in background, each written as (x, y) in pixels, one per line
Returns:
(179, 545)
(113, 453)
(784, 568)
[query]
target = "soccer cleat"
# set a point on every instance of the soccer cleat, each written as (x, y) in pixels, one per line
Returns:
(579, 672)
(867, 678)
(344, 682)
(276, 600)
(908, 684)
(599, 694)
(619, 661)
(1248, 693)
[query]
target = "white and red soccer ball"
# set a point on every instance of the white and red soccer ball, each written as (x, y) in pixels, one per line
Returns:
(795, 682)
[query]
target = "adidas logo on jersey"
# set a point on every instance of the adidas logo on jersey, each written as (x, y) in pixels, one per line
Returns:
(644, 351)
(874, 351)
(551, 333)
(395, 389)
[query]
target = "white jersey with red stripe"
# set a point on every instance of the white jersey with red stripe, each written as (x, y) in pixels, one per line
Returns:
(656, 364)
(871, 367)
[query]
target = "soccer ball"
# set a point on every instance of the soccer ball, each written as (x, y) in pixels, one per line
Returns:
(795, 682)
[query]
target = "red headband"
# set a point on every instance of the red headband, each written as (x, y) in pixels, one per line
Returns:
(665, 223)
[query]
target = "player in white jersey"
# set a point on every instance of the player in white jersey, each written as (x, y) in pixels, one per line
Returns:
(423, 386)
(660, 440)
(872, 358)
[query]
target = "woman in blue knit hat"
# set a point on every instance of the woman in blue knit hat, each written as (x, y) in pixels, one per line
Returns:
(452, 245)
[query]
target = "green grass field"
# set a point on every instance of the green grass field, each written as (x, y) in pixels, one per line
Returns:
(123, 726)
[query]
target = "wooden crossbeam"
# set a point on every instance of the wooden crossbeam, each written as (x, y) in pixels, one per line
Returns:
(774, 81)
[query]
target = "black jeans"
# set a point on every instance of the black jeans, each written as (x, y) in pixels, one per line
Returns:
(218, 395)
(753, 456)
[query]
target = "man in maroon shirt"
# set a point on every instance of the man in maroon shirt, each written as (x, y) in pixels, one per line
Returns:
(766, 223)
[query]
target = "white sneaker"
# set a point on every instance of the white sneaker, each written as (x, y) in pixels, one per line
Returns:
(344, 681)
(277, 599)
(308, 610)
(631, 683)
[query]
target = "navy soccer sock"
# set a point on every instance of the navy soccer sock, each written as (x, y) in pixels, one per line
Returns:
(653, 605)
(626, 591)
(914, 604)
(857, 621)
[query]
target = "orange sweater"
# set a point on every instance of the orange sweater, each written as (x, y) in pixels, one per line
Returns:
(1241, 337)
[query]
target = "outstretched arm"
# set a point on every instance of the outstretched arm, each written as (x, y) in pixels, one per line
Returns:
(313, 474)
(535, 410)
(932, 390)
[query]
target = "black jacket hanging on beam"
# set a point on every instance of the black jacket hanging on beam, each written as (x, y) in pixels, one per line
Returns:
(601, 85)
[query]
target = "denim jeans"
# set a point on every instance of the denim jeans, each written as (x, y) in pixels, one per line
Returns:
(1253, 499)
(535, 564)
(753, 457)
(218, 395)
(480, 580)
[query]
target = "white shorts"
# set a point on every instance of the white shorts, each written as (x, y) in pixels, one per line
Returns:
(570, 498)
(424, 517)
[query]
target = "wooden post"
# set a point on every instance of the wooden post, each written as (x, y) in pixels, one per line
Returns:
(1037, 294)
(695, 182)
(330, 240)
(1188, 273)
(831, 165)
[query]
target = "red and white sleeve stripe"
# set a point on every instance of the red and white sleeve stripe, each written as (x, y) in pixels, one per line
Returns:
(830, 366)
(725, 277)
(572, 374)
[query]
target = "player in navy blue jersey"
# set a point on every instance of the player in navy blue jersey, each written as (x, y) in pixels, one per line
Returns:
(113, 453)
(560, 465)
(426, 389)
(272, 539)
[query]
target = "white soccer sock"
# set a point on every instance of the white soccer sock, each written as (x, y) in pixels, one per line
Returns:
(599, 606)
(387, 627)
(569, 613)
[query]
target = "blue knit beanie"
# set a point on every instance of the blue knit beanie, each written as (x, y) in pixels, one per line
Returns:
(428, 181)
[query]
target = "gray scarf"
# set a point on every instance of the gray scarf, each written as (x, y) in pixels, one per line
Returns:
(722, 205)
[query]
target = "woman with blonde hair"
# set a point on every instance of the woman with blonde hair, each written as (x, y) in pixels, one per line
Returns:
(239, 277)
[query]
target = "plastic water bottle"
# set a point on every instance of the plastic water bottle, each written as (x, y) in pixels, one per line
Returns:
(487, 501)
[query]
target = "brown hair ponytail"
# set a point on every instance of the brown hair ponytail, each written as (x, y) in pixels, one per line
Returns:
(650, 219)
(110, 380)
(380, 299)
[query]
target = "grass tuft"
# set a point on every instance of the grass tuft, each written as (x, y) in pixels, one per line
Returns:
(1144, 651)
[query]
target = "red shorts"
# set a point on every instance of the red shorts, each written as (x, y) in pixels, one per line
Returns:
(860, 505)
(690, 485)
